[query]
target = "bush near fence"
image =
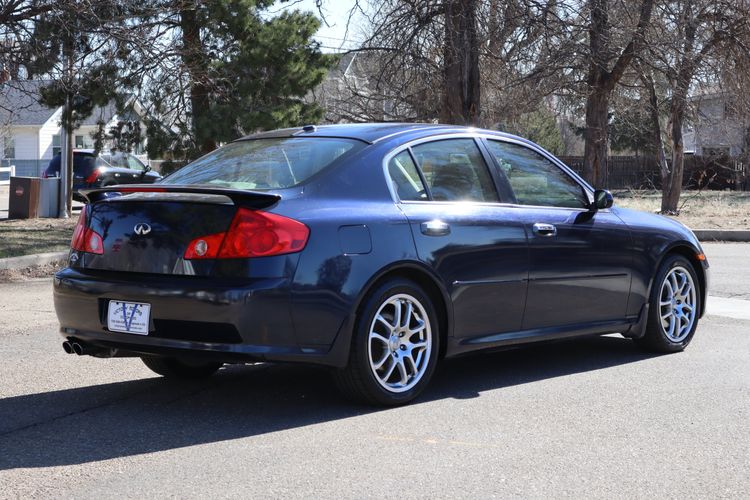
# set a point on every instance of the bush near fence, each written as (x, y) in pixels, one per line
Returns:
(701, 172)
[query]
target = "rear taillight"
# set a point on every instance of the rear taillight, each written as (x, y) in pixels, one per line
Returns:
(251, 234)
(86, 239)
(92, 176)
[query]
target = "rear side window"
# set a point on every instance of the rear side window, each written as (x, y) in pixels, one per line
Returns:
(455, 171)
(265, 163)
(534, 179)
(405, 178)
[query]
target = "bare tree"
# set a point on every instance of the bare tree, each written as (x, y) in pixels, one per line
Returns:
(691, 43)
(606, 66)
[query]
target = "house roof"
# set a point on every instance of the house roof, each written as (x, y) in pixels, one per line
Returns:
(19, 105)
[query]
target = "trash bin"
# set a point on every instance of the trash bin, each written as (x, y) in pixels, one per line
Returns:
(32, 197)
(23, 199)
(49, 194)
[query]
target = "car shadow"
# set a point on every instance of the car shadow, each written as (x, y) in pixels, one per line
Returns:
(100, 422)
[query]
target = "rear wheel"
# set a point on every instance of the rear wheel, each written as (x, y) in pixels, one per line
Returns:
(180, 368)
(395, 346)
(674, 307)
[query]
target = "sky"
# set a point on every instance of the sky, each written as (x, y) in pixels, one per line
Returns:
(334, 37)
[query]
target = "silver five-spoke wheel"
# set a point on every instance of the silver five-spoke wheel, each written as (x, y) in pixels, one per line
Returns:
(399, 343)
(677, 304)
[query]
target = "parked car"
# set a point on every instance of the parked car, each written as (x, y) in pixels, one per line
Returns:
(374, 249)
(107, 169)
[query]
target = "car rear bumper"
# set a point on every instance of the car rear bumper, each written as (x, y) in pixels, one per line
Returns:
(229, 320)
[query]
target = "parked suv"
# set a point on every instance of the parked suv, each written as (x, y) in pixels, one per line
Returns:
(107, 169)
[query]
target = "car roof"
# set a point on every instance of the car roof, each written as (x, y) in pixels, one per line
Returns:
(376, 132)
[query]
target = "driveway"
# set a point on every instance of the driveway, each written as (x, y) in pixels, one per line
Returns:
(592, 418)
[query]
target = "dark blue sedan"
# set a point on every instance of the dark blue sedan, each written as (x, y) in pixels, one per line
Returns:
(374, 249)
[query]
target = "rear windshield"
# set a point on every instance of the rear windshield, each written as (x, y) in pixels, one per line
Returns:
(264, 163)
(83, 164)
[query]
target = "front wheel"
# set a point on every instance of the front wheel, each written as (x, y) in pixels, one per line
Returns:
(180, 368)
(674, 307)
(394, 348)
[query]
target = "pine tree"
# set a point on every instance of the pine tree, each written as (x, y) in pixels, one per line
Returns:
(240, 71)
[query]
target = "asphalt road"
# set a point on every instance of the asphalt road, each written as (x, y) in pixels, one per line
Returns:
(588, 418)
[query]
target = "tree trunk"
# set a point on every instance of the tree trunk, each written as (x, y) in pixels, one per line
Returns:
(661, 157)
(595, 151)
(460, 100)
(601, 82)
(192, 57)
(670, 194)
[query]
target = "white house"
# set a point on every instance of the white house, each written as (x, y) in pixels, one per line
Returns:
(31, 134)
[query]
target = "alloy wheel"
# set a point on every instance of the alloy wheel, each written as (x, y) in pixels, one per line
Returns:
(399, 343)
(677, 304)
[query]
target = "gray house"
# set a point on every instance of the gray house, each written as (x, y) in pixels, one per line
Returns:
(718, 127)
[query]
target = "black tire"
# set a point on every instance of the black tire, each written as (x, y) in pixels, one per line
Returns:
(358, 381)
(655, 338)
(180, 368)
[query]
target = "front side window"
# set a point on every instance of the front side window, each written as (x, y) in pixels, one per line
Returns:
(534, 179)
(455, 171)
(134, 163)
(405, 178)
(265, 163)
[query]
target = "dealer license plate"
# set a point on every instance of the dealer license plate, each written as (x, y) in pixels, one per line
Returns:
(128, 317)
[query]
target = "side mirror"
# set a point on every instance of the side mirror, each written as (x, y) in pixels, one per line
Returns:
(602, 199)
(146, 169)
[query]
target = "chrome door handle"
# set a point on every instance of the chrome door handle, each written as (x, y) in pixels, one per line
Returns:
(435, 228)
(543, 229)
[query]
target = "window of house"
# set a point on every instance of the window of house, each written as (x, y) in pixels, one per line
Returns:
(9, 147)
(56, 145)
(534, 179)
(455, 171)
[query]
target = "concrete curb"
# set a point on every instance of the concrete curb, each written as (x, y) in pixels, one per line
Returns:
(39, 259)
(741, 235)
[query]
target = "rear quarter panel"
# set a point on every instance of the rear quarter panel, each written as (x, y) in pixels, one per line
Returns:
(356, 231)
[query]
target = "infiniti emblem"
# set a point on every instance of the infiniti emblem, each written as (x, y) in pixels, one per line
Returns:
(142, 228)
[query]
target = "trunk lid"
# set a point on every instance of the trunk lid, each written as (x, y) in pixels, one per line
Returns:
(147, 230)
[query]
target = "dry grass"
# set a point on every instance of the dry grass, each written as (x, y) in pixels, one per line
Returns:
(30, 236)
(698, 209)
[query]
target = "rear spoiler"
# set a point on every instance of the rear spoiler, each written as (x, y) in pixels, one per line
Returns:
(240, 197)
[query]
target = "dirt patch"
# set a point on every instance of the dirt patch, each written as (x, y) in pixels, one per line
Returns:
(46, 270)
(31, 236)
(698, 209)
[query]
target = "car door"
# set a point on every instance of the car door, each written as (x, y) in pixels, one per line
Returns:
(136, 169)
(580, 261)
(477, 246)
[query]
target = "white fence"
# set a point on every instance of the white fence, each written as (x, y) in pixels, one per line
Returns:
(11, 170)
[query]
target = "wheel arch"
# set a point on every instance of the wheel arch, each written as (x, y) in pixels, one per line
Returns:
(421, 275)
(688, 251)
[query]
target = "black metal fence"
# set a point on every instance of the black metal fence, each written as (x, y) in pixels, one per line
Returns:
(701, 172)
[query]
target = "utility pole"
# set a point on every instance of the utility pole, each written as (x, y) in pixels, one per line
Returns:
(66, 137)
